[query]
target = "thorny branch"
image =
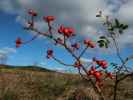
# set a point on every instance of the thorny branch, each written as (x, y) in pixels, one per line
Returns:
(49, 34)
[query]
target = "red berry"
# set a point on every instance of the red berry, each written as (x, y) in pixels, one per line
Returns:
(76, 45)
(48, 19)
(97, 74)
(102, 63)
(68, 32)
(89, 43)
(32, 12)
(110, 75)
(71, 30)
(93, 68)
(60, 30)
(77, 64)
(30, 24)
(18, 42)
(49, 53)
(92, 71)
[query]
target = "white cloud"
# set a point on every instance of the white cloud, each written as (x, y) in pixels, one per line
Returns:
(85, 60)
(125, 12)
(5, 52)
(79, 14)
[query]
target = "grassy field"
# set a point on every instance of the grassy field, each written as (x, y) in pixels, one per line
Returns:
(34, 83)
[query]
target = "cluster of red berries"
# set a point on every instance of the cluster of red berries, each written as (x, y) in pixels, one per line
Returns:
(47, 19)
(98, 75)
(101, 63)
(94, 72)
(89, 43)
(67, 31)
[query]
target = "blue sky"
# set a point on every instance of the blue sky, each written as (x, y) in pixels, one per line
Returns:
(78, 14)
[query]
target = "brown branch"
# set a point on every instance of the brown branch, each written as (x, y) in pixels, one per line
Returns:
(83, 76)
(115, 88)
(118, 54)
(61, 62)
(82, 53)
(73, 55)
(33, 38)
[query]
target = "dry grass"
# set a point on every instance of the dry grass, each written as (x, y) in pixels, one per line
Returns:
(24, 84)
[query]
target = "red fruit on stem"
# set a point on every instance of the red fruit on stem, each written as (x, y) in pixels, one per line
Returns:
(110, 75)
(86, 41)
(60, 30)
(32, 12)
(89, 43)
(92, 70)
(49, 53)
(18, 42)
(30, 24)
(71, 30)
(92, 46)
(97, 74)
(68, 32)
(48, 19)
(76, 45)
(77, 64)
(102, 63)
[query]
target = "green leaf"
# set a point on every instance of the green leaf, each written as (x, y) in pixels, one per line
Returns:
(98, 15)
(125, 27)
(101, 45)
(104, 38)
(117, 23)
(101, 41)
(121, 25)
(111, 28)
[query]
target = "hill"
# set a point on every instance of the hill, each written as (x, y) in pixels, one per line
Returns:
(35, 83)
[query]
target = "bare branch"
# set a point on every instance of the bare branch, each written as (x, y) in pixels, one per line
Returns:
(61, 62)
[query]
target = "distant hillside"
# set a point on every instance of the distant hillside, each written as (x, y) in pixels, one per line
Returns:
(33, 68)
(35, 83)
